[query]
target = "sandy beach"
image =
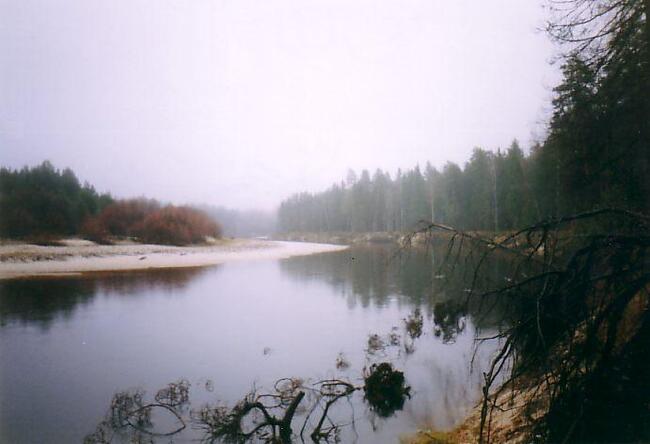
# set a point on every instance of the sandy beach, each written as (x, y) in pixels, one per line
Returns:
(75, 256)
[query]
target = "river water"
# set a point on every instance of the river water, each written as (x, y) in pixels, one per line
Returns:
(67, 345)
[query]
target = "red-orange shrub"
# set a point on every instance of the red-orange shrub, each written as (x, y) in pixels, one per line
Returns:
(93, 229)
(121, 217)
(148, 222)
(176, 226)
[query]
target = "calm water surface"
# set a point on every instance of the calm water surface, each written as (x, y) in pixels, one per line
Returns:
(68, 345)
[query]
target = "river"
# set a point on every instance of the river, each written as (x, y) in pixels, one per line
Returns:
(67, 345)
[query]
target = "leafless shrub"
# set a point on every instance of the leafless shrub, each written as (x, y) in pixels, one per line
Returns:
(341, 362)
(578, 297)
(413, 324)
(375, 344)
(175, 394)
(130, 414)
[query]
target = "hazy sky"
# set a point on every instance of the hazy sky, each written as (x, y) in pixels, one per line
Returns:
(241, 103)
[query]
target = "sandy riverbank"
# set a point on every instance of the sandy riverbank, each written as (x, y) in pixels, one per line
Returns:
(23, 260)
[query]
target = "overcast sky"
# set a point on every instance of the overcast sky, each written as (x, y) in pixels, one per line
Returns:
(241, 103)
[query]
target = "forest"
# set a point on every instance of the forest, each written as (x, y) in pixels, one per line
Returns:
(45, 200)
(595, 155)
(43, 203)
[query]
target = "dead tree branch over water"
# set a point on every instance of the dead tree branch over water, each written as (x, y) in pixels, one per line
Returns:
(229, 425)
(572, 351)
(259, 417)
(130, 413)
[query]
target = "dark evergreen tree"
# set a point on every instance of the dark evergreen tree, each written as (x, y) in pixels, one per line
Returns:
(45, 201)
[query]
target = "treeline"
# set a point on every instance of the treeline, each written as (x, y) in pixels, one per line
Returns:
(43, 202)
(596, 154)
(490, 192)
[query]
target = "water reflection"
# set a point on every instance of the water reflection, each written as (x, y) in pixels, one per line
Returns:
(368, 275)
(43, 301)
(269, 417)
(239, 326)
(376, 275)
(40, 302)
(293, 410)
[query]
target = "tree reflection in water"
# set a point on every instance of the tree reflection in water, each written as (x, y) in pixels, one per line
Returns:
(293, 410)
(443, 387)
(365, 277)
(423, 278)
(42, 301)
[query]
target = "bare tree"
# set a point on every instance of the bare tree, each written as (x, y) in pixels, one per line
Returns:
(590, 27)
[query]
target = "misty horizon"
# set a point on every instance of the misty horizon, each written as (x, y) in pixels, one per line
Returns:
(241, 105)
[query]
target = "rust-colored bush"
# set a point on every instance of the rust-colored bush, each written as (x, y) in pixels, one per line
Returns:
(176, 226)
(148, 222)
(93, 229)
(121, 217)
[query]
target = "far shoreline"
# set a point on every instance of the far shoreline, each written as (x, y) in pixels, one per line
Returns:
(18, 261)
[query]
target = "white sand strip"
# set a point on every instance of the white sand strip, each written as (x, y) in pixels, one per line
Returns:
(30, 260)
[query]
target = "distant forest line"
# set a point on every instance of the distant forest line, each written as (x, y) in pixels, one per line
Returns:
(596, 154)
(42, 202)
